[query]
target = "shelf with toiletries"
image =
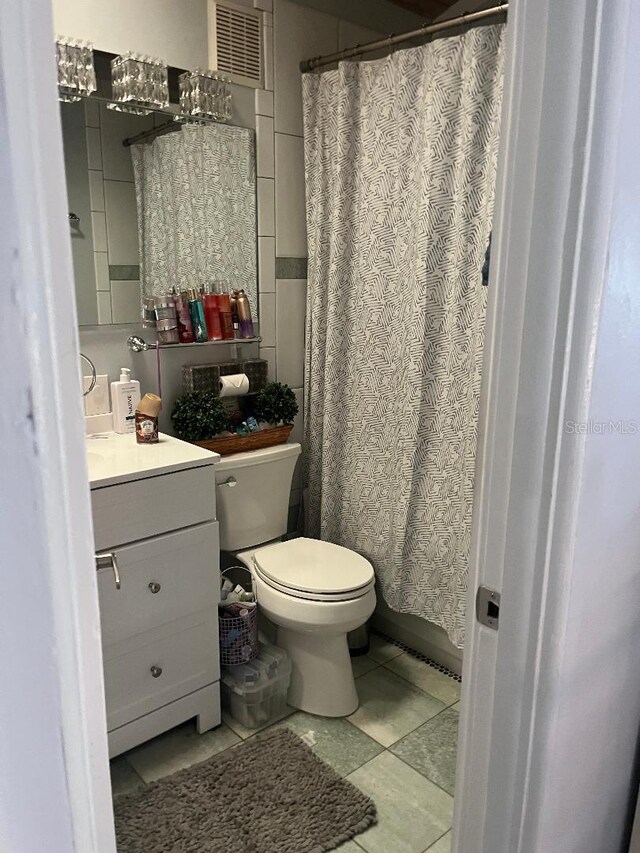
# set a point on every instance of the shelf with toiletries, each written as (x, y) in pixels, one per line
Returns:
(213, 314)
(230, 341)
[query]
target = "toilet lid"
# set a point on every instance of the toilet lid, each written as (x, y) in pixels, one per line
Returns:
(313, 566)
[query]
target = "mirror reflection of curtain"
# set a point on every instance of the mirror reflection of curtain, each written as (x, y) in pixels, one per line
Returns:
(196, 198)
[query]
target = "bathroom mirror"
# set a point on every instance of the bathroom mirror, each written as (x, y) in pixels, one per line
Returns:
(175, 206)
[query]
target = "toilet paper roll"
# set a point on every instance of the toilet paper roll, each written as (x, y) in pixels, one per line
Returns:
(235, 385)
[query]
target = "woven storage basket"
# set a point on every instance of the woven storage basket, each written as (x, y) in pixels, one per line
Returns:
(257, 370)
(238, 634)
(227, 444)
(201, 377)
(206, 377)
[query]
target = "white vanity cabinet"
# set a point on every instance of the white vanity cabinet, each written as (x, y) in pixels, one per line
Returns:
(157, 561)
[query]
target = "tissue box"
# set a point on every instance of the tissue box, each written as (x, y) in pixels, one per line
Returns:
(201, 377)
(206, 377)
(257, 371)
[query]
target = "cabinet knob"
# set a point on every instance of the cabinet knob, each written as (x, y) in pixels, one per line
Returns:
(155, 587)
(156, 671)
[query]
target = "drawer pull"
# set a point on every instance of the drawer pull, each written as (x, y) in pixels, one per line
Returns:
(109, 560)
(155, 587)
(156, 671)
(230, 481)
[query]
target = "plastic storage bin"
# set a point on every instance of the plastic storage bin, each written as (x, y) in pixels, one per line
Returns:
(255, 693)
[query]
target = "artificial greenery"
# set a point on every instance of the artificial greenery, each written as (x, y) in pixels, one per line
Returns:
(198, 416)
(276, 403)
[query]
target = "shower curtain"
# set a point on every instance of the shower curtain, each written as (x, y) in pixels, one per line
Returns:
(400, 159)
(196, 200)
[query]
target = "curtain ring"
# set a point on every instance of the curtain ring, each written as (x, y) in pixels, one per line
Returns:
(392, 46)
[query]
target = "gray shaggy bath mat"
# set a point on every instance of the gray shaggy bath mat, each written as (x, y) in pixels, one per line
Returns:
(269, 795)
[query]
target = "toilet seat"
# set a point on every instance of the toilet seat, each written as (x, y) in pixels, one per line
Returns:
(315, 570)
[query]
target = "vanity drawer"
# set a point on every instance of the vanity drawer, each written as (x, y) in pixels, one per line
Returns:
(161, 580)
(137, 510)
(160, 667)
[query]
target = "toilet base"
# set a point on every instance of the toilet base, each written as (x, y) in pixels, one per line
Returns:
(322, 680)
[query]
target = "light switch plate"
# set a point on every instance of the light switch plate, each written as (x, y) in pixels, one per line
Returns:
(97, 402)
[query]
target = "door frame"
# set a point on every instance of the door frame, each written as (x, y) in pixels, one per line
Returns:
(554, 161)
(55, 791)
(563, 88)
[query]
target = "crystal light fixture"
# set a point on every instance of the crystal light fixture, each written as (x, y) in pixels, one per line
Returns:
(76, 72)
(204, 95)
(139, 83)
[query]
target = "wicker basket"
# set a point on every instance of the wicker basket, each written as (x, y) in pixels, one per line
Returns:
(227, 444)
(238, 634)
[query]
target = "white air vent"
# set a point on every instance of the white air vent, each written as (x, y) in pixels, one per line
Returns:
(236, 37)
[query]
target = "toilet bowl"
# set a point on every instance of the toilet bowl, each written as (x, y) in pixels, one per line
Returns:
(314, 592)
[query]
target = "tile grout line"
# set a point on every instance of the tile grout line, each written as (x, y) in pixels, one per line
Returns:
(416, 654)
(438, 840)
(417, 686)
(131, 767)
(424, 776)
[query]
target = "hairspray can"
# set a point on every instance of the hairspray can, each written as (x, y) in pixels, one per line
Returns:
(244, 315)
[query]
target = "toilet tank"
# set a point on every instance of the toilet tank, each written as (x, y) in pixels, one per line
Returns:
(255, 508)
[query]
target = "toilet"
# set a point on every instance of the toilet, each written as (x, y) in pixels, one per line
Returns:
(314, 592)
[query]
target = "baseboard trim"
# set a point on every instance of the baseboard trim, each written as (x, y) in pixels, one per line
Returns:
(417, 645)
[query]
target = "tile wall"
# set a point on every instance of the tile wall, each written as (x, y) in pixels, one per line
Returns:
(113, 212)
(296, 32)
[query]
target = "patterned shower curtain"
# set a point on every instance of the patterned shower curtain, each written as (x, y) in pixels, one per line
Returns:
(400, 160)
(196, 200)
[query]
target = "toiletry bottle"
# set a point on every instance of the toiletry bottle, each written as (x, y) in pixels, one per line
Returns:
(196, 312)
(166, 321)
(244, 315)
(125, 396)
(148, 312)
(224, 306)
(146, 419)
(233, 299)
(212, 315)
(185, 329)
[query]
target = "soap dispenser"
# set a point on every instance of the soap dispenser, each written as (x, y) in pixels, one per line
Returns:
(125, 396)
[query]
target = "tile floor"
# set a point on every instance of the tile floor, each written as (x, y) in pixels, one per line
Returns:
(399, 747)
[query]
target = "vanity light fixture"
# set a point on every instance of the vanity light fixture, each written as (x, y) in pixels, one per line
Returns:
(139, 83)
(76, 72)
(204, 95)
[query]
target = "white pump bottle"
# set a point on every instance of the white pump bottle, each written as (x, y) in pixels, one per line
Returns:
(125, 396)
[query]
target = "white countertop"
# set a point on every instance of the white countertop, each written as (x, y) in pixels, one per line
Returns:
(120, 459)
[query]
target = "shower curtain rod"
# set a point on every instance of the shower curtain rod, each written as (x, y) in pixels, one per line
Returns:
(167, 127)
(389, 41)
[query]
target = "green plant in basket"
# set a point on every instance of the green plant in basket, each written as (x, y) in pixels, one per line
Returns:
(276, 403)
(198, 416)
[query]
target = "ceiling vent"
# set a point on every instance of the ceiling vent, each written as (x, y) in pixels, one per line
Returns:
(236, 40)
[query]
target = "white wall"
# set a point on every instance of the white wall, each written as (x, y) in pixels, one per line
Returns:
(592, 753)
(173, 31)
(54, 776)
